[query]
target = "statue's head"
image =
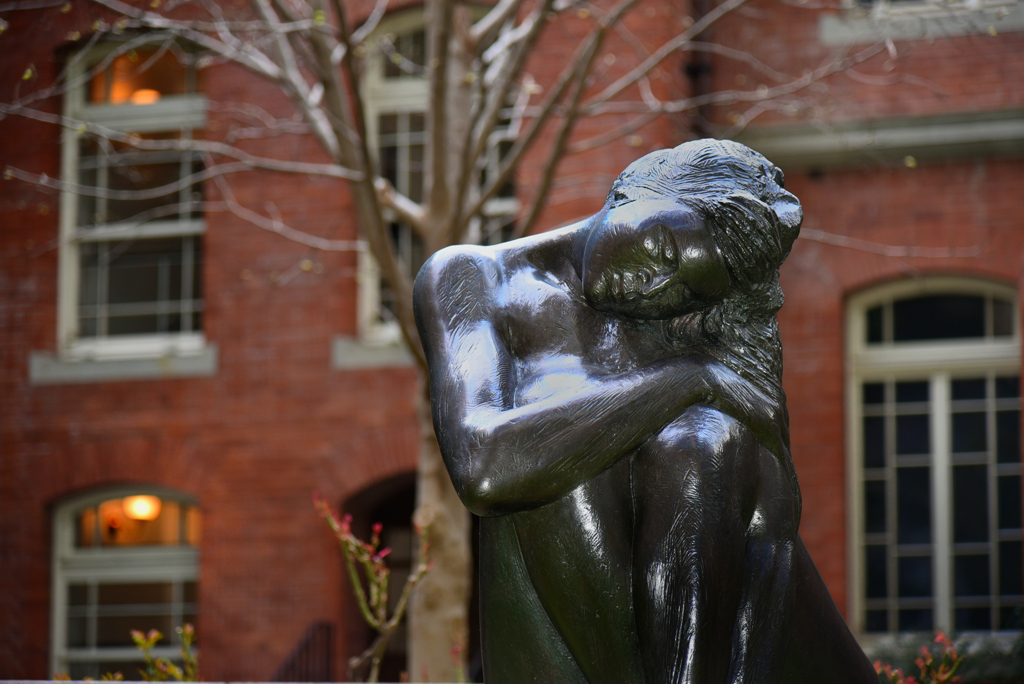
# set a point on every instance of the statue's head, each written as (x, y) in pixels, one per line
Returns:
(682, 228)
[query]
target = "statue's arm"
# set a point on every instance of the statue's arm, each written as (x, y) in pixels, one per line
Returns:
(504, 458)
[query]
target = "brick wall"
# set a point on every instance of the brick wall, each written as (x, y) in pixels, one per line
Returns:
(276, 423)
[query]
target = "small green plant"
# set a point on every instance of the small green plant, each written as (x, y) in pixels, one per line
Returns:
(161, 669)
(157, 669)
(934, 668)
(370, 578)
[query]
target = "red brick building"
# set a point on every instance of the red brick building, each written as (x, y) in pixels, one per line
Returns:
(253, 370)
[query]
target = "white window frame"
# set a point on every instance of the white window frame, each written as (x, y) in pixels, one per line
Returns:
(71, 564)
(404, 94)
(861, 23)
(938, 361)
(170, 112)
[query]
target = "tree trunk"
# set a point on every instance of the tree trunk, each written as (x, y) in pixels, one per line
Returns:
(438, 619)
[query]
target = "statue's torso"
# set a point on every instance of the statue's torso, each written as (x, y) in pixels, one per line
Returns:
(569, 562)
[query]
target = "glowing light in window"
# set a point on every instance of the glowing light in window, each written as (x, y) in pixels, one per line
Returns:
(141, 507)
(145, 96)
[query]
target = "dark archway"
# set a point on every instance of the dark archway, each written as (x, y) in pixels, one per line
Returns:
(390, 502)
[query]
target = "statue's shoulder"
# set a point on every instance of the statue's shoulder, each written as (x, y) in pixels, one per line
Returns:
(457, 285)
(459, 270)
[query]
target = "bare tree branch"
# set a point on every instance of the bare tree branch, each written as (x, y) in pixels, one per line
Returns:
(209, 146)
(494, 96)
(616, 133)
(896, 251)
(570, 117)
(361, 33)
(499, 14)
(725, 97)
(664, 51)
(274, 224)
(404, 208)
(439, 20)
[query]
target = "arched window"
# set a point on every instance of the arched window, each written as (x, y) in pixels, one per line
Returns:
(124, 558)
(934, 457)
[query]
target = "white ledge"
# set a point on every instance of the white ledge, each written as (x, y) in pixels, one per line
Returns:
(349, 353)
(48, 369)
(918, 21)
(990, 133)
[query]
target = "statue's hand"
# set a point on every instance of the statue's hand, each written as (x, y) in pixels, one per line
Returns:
(738, 397)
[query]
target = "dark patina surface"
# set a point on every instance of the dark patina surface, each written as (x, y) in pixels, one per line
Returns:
(608, 398)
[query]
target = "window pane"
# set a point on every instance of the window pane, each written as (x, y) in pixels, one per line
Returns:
(874, 320)
(877, 621)
(974, 618)
(87, 327)
(138, 271)
(911, 391)
(874, 393)
(143, 174)
(133, 527)
(915, 620)
(1008, 436)
(915, 577)
(1002, 318)
(406, 47)
(1008, 387)
(969, 389)
(193, 527)
(137, 183)
(969, 433)
(1009, 502)
(78, 595)
(116, 630)
(77, 632)
(913, 505)
(139, 285)
(877, 572)
(912, 435)
(1011, 570)
(388, 124)
(389, 165)
(85, 530)
(1011, 617)
(129, 668)
(88, 211)
(197, 272)
(133, 325)
(151, 71)
(874, 506)
(874, 442)
(970, 503)
(415, 189)
(123, 594)
(971, 576)
(938, 317)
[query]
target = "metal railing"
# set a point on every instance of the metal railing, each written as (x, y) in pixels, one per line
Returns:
(312, 658)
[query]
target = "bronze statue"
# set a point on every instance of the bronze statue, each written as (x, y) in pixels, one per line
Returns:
(608, 398)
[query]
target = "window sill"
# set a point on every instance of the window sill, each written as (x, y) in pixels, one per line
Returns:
(139, 358)
(349, 353)
(923, 20)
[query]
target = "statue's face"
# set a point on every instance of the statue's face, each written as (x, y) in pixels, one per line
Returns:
(652, 258)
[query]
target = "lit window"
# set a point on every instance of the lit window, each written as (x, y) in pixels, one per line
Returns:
(935, 445)
(132, 253)
(124, 559)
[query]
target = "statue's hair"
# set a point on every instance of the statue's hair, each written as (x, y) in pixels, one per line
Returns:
(740, 195)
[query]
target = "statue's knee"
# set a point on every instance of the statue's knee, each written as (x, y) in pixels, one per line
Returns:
(698, 433)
